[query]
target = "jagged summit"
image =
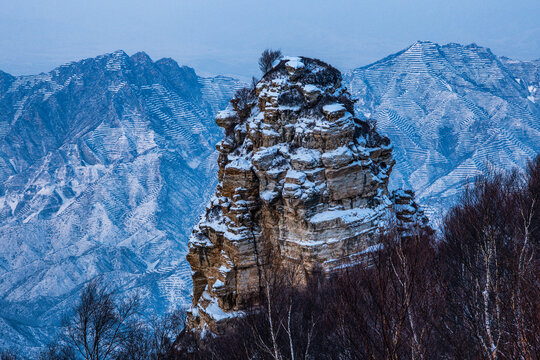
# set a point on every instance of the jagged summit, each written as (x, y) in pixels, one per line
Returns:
(300, 177)
(141, 56)
(433, 49)
(422, 44)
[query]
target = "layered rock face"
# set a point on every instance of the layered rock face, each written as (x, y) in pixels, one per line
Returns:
(300, 178)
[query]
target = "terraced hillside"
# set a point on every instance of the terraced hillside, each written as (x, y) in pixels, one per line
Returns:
(105, 165)
(452, 112)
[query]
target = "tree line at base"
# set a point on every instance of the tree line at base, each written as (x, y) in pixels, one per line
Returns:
(471, 291)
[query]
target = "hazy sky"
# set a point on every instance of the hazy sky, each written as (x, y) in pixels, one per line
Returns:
(226, 37)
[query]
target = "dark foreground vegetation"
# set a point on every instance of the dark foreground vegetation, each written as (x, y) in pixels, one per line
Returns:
(472, 292)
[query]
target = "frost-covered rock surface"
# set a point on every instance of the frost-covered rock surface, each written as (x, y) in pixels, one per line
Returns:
(451, 112)
(300, 178)
(105, 166)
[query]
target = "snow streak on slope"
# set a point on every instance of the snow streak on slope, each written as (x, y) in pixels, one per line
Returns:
(452, 112)
(105, 165)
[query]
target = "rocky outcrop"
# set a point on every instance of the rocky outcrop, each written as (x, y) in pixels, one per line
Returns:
(407, 215)
(299, 176)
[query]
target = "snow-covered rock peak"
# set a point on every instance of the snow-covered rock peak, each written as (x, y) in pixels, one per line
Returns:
(301, 180)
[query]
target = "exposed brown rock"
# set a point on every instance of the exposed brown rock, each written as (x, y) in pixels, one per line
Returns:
(299, 176)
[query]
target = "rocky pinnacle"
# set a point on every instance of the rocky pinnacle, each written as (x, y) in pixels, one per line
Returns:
(299, 178)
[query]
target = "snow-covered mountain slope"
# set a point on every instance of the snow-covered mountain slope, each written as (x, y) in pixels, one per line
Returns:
(452, 112)
(105, 166)
(526, 73)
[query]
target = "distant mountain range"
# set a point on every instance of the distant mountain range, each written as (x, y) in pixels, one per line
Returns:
(452, 112)
(106, 163)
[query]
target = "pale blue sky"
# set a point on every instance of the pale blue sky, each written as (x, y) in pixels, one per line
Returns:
(226, 37)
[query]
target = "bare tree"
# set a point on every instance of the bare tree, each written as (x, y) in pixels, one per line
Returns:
(383, 306)
(242, 101)
(473, 244)
(100, 326)
(282, 320)
(57, 351)
(472, 294)
(523, 288)
(137, 344)
(163, 333)
(267, 58)
(254, 82)
(491, 268)
(8, 355)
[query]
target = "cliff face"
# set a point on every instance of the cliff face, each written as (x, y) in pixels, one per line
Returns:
(299, 177)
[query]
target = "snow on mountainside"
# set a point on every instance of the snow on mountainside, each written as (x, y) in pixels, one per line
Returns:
(106, 163)
(450, 111)
(526, 73)
(105, 166)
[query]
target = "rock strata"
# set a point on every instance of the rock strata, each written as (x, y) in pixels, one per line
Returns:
(299, 177)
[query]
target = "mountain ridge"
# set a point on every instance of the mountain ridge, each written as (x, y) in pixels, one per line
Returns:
(117, 152)
(435, 102)
(103, 163)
